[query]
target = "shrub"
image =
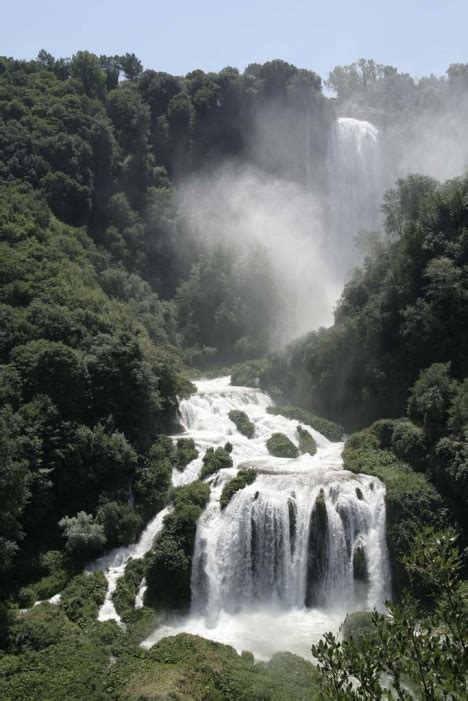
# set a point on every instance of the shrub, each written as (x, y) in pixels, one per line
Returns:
(121, 523)
(185, 452)
(153, 480)
(127, 589)
(307, 443)
(357, 625)
(329, 429)
(85, 537)
(242, 479)
(83, 596)
(409, 496)
(383, 429)
(168, 566)
(215, 460)
(280, 446)
(248, 374)
(39, 628)
(243, 425)
(408, 443)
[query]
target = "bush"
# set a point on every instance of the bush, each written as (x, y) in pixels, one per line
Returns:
(410, 497)
(39, 628)
(357, 625)
(83, 596)
(248, 374)
(58, 570)
(307, 443)
(280, 446)
(127, 589)
(383, 429)
(153, 480)
(242, 422)
(408, 443)
(168, 566)
(85, 537)
(121, 523)
(215, 460)
(329, 429)
(185, 452)
(242, 479)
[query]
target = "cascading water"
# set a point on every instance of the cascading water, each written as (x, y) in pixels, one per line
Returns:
(355, 184)
(292, 552)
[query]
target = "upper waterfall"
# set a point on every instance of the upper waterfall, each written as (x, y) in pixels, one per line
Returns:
(355, 184)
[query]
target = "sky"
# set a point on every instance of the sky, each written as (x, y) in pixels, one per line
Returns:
(417, 36)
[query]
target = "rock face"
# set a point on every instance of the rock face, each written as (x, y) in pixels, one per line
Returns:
(360, 571)
(317, 559)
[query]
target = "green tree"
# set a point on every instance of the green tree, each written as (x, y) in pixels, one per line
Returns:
(86, 68)
(412, 651)
(131, 65)
(84, 537)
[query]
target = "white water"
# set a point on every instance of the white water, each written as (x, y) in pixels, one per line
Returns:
(355, 184)
(261, 579)
(113, 564)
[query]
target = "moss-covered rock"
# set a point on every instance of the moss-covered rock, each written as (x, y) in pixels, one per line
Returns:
(241, 480)
(280, 446)
(215, 460)
(317, 552)
(329, 429)
(185, 452)
(307, 443)
(360, 571)
(242, 422)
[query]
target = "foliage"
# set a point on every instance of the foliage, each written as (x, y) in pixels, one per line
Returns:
(307, 443)
(84, 537)
(327, 428)
(280, 446)
(153, 479)
(241, 480)
(83, 596)
(221, 305)
(168, 566)
(185, 452)
(410, 497)
(127, 590)
(248, 374)
(402, 312)
(121, 523)
(242, 422)
(215, 460)
(411, 651)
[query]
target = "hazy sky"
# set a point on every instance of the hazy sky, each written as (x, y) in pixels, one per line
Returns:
(418, 36)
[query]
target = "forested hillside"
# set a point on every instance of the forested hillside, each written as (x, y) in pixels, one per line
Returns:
(111, 299)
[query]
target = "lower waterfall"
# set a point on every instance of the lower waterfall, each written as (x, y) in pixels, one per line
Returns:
(291, 553)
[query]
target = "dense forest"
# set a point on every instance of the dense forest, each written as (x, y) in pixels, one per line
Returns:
(110, 303)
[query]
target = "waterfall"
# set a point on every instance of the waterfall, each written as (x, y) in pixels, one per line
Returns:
(355, 184)
(293, 551)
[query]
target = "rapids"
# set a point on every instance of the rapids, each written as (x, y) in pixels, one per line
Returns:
(292, 552)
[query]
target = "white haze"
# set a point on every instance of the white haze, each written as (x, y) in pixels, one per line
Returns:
(310, 231)
(243, 205)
